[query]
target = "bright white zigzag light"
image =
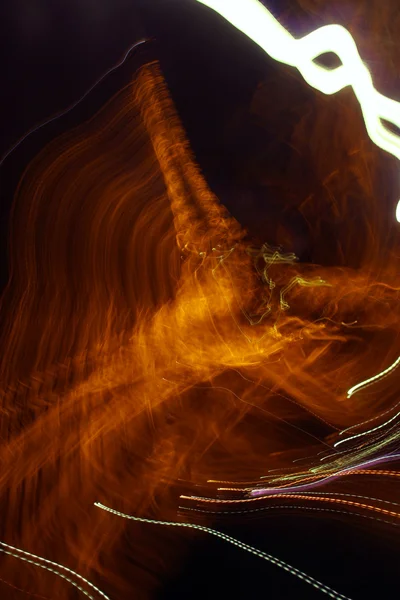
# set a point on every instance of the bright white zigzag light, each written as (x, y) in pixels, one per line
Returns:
(255, 21)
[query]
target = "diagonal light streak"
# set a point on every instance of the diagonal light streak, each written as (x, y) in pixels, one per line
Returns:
(52, 567)
(227, 538)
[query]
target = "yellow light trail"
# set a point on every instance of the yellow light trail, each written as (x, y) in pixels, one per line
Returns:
(256, 21)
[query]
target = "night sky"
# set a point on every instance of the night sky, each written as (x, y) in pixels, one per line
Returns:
(53, 51)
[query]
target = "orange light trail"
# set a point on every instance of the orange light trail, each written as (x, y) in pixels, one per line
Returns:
(153, 349)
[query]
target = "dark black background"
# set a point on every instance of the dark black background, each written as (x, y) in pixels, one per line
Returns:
(53, 51)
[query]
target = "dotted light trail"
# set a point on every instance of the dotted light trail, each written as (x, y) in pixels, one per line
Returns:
(53, 567)
(227, 538)
(255, 21)
(286, 507)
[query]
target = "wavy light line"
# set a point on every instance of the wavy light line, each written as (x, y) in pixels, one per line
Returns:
(33, 559)
(256, 21)
(358, 435)
(227, 538)
(331, 477)
(273, 496)
(286, 507)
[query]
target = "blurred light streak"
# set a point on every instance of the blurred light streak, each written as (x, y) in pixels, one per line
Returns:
(355, 496)
(373, 379)
(161, 280)
(29, 558)
(386, 412)
(316, 480)
(274, 495)
(256, 21)
(377, 472)
(227, 538)
(284, 507)
(358, 435)
(326, 496)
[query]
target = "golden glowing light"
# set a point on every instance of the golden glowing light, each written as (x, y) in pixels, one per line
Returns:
(154, 350)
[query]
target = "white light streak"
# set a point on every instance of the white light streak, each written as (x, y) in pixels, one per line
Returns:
(227, 538)
(53, 567)
(358, 435)
(371, 380)
(255, 21)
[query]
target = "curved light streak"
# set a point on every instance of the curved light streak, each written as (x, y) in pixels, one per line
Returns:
(331, 477)
(227, 538)
(53, 567)
(256, 21)
(358, 435)
(371, 380)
